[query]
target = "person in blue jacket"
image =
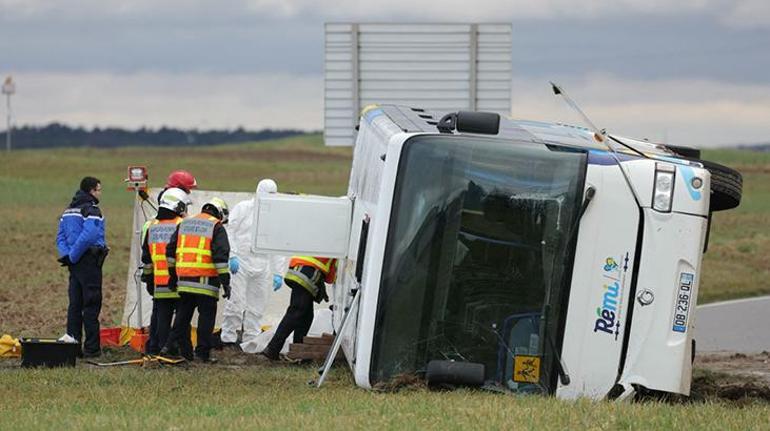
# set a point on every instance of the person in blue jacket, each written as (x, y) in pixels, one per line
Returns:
(81, 246)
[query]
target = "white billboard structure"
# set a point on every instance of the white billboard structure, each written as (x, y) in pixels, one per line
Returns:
(440, 67)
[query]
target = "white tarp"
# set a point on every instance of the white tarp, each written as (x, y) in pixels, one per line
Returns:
(138, 305)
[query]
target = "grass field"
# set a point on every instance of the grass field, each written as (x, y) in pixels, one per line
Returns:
(278, 397)
(37, 185)
(737, 263)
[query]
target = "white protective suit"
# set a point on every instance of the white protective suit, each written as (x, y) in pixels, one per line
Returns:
(254, 280)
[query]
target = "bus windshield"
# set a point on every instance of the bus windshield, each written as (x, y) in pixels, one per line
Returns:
(478, 259)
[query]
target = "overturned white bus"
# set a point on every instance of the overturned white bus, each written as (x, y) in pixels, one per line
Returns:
(521, 256)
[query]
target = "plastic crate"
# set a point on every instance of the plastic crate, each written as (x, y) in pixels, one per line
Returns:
(109, 336)
(139, 341)
(48, 352)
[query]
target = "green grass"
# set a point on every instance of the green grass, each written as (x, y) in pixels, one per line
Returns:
(36, 186)
(278, 397)
(737, 263)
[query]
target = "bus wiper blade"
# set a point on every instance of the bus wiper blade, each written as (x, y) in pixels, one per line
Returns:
(561, 367)
(590, 193)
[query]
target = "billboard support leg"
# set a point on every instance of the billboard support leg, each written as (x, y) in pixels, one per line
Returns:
(338, 340)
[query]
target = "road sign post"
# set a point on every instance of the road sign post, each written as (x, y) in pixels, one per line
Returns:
(9, 88)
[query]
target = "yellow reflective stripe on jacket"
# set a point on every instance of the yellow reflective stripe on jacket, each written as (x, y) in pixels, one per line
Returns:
(162, 292)
(199, 290)
(301, 280)
(323, 267)
(145, 226)
(222, 267)
(158, 234)
(200, 251)
(195, 265)
(193, 253)
(169, 295)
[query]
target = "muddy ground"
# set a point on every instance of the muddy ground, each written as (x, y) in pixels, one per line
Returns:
(730, 376)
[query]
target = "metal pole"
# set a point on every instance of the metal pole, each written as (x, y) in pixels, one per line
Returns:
(8, 127)
(8, 89)
(135, 264)
(335, 347)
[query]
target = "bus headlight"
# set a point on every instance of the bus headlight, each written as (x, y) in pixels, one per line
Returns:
(663, 193)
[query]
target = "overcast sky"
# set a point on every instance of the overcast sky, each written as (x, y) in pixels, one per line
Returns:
(691, 72)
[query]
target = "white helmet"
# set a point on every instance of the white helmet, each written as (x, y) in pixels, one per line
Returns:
(175, 200)
(267, 186)
(220, 207)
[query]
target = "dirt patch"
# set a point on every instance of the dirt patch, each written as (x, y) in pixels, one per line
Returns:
(735, 378)
(401, 382)
(749, 367)
(726, 387)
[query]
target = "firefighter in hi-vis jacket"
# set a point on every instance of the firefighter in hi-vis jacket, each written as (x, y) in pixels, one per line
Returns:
(197, 255)
(307, 276)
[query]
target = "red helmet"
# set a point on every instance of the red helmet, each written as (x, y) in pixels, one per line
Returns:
(181, 179)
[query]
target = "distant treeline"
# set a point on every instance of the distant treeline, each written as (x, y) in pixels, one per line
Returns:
(756, 147)
(57, 135)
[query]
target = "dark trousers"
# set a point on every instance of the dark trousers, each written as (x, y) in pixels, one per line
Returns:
(85, 295)
(298, 318)
(180, 332)
(160, 324)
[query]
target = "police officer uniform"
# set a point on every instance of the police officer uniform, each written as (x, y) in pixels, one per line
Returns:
(81, 246)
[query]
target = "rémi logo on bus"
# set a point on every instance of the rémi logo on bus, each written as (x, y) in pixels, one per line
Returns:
(607, 314)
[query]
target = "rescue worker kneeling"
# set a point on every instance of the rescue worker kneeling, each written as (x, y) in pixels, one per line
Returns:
(197, 256)
(306, 277)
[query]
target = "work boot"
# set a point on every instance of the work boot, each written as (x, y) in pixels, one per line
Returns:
(269, 355)
(286, 359)
(231, 346)
(92, 355)
(173, 353)
(207, 360)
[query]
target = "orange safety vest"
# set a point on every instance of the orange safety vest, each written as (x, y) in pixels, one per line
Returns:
(193, 255)
(158, 234)
(327, 267)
